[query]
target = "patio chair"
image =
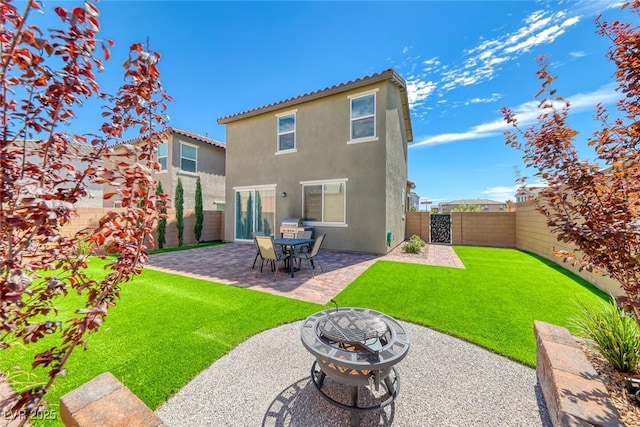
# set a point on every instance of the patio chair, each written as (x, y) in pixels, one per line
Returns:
(311, 256)
(268, 253)
(306, 234)
(256, 233)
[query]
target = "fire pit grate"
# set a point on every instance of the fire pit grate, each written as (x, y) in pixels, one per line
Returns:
(352, 327)
(355, 347)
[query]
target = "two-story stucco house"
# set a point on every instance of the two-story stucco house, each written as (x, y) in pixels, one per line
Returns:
(187, 155)
(336, 157)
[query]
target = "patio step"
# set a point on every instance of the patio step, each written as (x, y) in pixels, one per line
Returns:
(105, 402)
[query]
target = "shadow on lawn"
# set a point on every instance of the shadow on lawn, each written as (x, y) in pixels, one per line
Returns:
(562, 270)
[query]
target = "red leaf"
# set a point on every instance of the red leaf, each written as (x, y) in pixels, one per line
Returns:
(61, 11)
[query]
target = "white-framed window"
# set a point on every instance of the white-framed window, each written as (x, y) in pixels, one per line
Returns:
(324, 202)
(363, 117)
(162, 156)
(188, 157)
(286, 131)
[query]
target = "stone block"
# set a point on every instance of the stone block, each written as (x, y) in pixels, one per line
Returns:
(572, 389)
(105, 402)
(553, 333)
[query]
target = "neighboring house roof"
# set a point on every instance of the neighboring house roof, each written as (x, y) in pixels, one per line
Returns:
(198, 137)
(472, 202)
(188, 134)
(389, 74)
(35, 144)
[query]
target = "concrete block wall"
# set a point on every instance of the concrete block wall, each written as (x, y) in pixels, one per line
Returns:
(418, 224)
(525, 229)
(494, 229)
(212, 228)
(533, 235)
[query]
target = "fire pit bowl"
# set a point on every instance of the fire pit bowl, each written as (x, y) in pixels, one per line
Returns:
(356, 347)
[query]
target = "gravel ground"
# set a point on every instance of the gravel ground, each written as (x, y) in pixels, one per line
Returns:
(265, 381)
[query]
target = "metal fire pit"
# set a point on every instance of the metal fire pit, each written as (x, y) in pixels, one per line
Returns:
(357, 347)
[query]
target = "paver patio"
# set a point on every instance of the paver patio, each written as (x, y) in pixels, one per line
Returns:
(230, 264)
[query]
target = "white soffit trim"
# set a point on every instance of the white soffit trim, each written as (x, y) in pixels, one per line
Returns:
(360, 94)
(324, 181)
(256, 187)
(287, 113)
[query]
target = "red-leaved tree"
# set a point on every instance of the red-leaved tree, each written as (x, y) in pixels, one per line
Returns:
(45, 171)
(595, 205)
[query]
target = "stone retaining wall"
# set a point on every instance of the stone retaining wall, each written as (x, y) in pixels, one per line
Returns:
(572, 389)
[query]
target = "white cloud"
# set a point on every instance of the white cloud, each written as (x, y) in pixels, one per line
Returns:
(483, 61)
(419, 90)
(405, 50)
(526, 113)
(571, 21)
(500, 193)
(493, 98)
(577, 54)
(547, 35)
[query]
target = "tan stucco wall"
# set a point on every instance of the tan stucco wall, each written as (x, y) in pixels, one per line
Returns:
(396, 167)
(322, 132)
(211, 169)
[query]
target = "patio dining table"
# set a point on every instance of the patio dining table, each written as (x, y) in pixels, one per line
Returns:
(289, 244)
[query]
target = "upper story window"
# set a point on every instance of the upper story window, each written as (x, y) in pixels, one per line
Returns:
(162, 156)
(363, 117)
(287, 131)
(324, 202)
(188, 157)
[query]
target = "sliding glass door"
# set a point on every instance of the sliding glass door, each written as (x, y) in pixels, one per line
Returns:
(255, 212)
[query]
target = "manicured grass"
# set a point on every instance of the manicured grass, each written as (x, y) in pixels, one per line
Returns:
(492, 302)
(166, 329)
(182, 248)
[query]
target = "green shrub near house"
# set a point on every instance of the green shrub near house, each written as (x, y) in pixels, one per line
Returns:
(414, 245)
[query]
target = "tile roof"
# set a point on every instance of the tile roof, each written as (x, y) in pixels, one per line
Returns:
(186, 133)
(389, 74)
(198, 137)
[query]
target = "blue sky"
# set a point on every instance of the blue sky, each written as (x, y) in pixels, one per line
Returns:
(462, 61)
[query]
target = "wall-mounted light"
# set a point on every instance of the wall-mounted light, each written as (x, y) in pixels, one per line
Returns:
(283, 194)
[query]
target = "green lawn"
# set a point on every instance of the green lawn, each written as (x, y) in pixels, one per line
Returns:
(492, 302)
(167, 328)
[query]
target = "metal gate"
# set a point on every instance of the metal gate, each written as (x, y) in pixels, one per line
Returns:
(441, 228)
